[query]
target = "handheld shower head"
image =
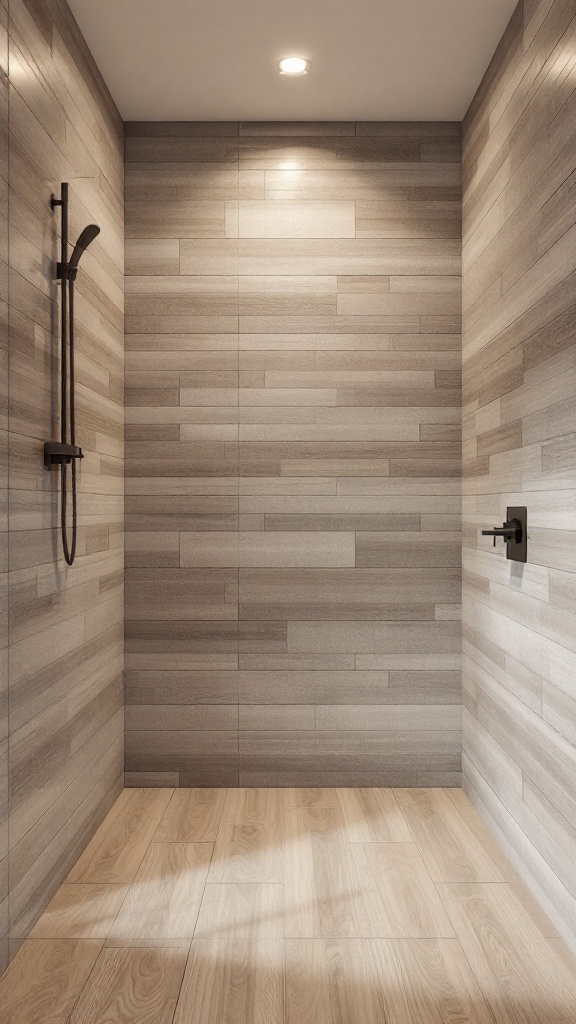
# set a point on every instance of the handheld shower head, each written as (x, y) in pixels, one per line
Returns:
(87, 235)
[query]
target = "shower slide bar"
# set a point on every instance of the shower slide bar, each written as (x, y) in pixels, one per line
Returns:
(66, 452)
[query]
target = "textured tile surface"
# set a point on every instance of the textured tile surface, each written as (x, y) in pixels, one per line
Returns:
(293, 453)
(519, 382)
(4, 276)
(310, 904)
(65, 624)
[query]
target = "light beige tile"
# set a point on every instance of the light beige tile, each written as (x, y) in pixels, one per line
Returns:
(410, 907)
(242, 910)
(164, 898)
(452, 852)
(373, 816)
(192, 816)
(296, 220)
(231, 980)
(247, 853)
(85, 911)
(277, 548)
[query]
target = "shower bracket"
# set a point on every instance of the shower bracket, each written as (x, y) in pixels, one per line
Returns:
(65, 271)
(56, 453)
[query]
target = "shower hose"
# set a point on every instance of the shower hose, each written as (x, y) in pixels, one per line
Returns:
(68, 549)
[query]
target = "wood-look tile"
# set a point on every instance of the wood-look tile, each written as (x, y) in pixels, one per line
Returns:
(324, 892)
(252, 806)
(341, 902)
(482, 832)
(45, 978)
(321, 395)
(132, 985)
(325, 974)
(241, 910)
(192, 816)
(517, 371)
(85, 911)
(372, 816)
(437, 980)
(228, 981)
(248, 852)
(180, 149)
(373, 637)
(519, 972)
(152, 256)
(305, 797)
(117, 850)
(451, 851)
(181, 219)
(310, 152)
(63, 124)
(404, 981)
(281, 548)
(296, 220)
(410, 907)
(164, 898)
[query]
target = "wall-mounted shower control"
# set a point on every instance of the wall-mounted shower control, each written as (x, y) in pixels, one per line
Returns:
(513, 531)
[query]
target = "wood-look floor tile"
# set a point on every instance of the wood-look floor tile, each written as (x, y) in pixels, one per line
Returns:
(450, 850)
(45, 978)
(116, 851)
(409, 906)
(324, 894)
(310, 797)
(329, 980)
(252, 806)
(233, 981)
(372, 816)
(535, 911)
(522, 976)
(247, 853)
(402, 982)
(85, 911)
(436, 982)
(192, 816)
(368, 934)
(245, 910)
(164, 898)
(474, 822)
(132, 986)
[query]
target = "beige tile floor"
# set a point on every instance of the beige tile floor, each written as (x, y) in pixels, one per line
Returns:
(270, 906)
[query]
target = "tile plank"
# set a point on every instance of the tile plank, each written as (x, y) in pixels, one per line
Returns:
(132, 986)
(164, 898)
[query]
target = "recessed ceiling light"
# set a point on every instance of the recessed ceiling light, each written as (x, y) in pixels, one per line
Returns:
(294, 66)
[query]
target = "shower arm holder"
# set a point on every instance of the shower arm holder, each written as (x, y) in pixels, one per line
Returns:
(56, 453)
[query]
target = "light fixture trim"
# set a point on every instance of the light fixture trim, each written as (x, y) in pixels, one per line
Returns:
(294, 66)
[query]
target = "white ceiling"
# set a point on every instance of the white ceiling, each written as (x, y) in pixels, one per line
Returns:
(374, 60)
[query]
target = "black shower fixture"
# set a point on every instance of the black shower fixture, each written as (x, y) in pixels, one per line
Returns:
(514, 534)
(65, 451)
(86, 236)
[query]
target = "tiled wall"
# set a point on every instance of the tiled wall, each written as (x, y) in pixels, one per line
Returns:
(293, 454)
(65, 625)
(520, 449)
(3, 483)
